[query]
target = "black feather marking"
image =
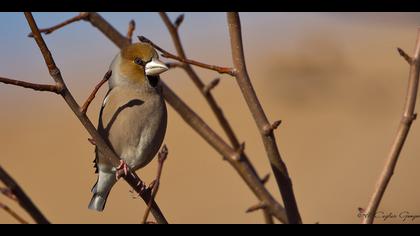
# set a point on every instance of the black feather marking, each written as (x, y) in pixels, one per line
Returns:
(100, 129)
(153, 80)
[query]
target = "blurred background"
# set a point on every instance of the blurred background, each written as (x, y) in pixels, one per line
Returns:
(335, 79)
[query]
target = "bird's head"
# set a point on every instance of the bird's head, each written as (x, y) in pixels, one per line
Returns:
(139, 63)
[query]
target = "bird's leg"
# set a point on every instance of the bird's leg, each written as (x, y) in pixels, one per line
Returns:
(122, 170)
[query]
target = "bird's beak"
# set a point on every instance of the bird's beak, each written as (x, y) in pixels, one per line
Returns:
(155, 67)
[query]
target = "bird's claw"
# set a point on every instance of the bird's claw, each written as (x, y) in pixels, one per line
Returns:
(122, 170)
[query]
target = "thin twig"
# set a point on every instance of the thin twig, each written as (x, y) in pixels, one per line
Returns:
(211, 85)
(219, 69)
(24, 201)
(81, 16)
(268, 218)
(258, 206)
(130, 31)
(38, 87)
(171, 65)
(162, 155)
(131, 178)
(13, 213)
(179, 21)
(95, 90)
(278, 166)
(408, 117)
(8, 193)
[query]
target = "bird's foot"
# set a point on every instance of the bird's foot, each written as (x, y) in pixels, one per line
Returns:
(122, 170)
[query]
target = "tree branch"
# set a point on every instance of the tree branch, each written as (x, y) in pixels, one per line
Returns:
(204, 89)
(24, 201)
(279, 168)
(130, 31)
(81, 16)
(243, 167)
(95, 90)
(220, 69)
(131, 178)
(408, 117)
(224, 123)
(6, 192)
(162, 155)
(13, 213)
(38, 87)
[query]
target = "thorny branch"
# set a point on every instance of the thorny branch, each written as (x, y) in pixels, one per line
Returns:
(407, 120)
(24, 201)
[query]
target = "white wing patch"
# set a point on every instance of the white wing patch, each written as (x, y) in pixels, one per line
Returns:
(105, 100)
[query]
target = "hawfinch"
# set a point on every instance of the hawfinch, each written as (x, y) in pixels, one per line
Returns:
(133, 116)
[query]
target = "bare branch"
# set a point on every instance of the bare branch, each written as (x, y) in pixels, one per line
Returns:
(13, 213)
(269, 128)
(279, 168)
(162, 155)
(268, 218)
(258, 206)
(131, 178)
(224, 123)
(239, 153)
(265, 179)
(244, 168)
(81, 16)
(95, 90)
(130, 31)
(24, 201)
(171, 65)
(406, 57)
(205, 90)
(221, 70)
(8, 193)
(179, 21)
(38, 87)
(407, 119)
(211, 86)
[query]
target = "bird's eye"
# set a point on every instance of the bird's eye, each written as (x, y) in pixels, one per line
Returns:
(139, 61)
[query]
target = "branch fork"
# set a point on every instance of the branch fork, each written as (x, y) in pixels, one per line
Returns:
(268, 129)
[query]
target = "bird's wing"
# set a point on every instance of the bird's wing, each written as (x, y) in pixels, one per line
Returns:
(101, 131)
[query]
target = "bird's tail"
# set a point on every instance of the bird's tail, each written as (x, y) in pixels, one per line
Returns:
(101, 191)
(97, 202)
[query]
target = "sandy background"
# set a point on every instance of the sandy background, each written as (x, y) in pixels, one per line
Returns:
(336, 81)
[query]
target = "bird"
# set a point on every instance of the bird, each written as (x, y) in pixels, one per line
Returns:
(133, 117)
